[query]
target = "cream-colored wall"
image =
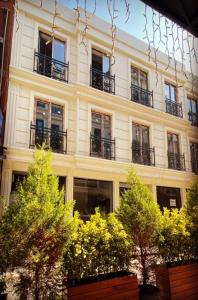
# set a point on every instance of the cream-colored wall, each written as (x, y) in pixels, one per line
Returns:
(79, 99)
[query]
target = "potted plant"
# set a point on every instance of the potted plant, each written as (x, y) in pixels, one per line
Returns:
(140, 216)
(177, 277)
(36, 230)
(98, 261)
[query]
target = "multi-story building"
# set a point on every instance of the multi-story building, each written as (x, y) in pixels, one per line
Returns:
(6, 28)
(96, 116)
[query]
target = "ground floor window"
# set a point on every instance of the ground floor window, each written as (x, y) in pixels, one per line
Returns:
(18, 176)
(168, 197)
(122, 188)
(90, 194)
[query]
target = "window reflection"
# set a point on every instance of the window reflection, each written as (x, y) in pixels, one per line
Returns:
(90, 194)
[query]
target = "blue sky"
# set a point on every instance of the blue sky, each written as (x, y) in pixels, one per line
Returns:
(136, 24)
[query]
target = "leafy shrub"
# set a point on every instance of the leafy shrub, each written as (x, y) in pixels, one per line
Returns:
(191, 211)
(99, 246)
(174, 238)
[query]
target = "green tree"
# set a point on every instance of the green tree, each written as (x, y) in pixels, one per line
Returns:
(37, 228)
(191, 210)
(174, 236)
(100, 246)
(141, 218)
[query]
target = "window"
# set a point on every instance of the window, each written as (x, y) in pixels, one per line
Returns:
(101, 143)
(173, 143)
(48, 126)
(140, 135)
(101, 77)
(192, 111)
(168, 197)
(139, 78)
(170, 92)
(17, 178)
(100, 61)
(175, 159)
(122, 188)
(139, 87)
(50, 58)
(90, 194)
(194, 157)
(141, 151)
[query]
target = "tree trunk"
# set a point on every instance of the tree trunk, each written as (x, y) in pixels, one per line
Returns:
(36, 291)
(143, 263)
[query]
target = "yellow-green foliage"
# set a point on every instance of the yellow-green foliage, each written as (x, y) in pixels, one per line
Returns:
(174, 239)
(191, 210)
(141, 218)
(100, 245)
(36, 230)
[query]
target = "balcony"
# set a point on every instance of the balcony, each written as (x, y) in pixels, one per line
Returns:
(51, 67)
(143, 155)
(54, 139)
(193, 117)
(176, 161)
(174, 108)
(102, 81)
(141, 96)
(102, 147)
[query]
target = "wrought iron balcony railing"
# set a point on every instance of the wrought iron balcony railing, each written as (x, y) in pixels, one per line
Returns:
(174, 108)
(176, 161)
(51, 67)
(194, 159)
(143, 155)
(102, 81)
(54, 139)
(193, 117)
(102, 147)
(141, 95)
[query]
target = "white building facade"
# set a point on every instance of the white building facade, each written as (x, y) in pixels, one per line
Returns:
(98, 118)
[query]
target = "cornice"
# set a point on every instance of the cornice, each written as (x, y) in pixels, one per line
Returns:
(87, 163)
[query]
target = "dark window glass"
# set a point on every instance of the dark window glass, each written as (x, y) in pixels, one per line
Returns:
(100, 61)
(90, 194)
(170, 92)
(139, 78)
(192, 108)
(140, 135)
(173, 143)
(194, 157)
(168, 197)
(123, 188)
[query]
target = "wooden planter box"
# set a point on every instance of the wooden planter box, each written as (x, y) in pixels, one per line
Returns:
(178, 283)
(119, 288)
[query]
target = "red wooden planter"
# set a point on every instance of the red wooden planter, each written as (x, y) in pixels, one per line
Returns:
(178, 283)
(120, 288)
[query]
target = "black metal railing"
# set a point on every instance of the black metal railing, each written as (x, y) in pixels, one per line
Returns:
(174, 108)
(54, 139)
(102, 147)
(51, 67)
(176, 161)
(143, 154)
(194, 159)
(193, 117)
(102, 81)
(141, 95)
